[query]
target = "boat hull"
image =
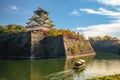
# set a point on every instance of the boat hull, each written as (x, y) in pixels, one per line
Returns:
(79, 67)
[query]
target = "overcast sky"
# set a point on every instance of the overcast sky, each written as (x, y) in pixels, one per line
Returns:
(90, 17)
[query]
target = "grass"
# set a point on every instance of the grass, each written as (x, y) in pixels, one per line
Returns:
(110, 77)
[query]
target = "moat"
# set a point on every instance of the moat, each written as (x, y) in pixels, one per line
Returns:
(59, 69)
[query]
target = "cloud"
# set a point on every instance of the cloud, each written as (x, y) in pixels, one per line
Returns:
(110, 2)
(14, 7)
(91, 11)
(112, 29)
(102, 11)
(75, 13)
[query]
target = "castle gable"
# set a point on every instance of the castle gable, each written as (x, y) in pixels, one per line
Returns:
(40, 19)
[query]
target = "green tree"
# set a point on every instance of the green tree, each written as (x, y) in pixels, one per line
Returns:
(12, 28)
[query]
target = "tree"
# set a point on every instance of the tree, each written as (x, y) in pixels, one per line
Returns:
(12, 28)
(106, 37)
(91, 38)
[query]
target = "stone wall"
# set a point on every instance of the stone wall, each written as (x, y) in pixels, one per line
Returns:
(76, 47)
(44, 46)
(36, 44)
(107, 46)
(15, 45)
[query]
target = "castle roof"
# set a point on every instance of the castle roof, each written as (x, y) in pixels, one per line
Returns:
(40, 10)
(40, 19)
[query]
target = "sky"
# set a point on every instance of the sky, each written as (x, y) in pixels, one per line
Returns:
(89, 17)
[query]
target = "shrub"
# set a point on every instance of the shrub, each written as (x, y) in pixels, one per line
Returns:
(12, 29)
(106, 37)
(53, 33)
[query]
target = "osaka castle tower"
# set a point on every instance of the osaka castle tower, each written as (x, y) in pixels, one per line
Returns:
(40, 20)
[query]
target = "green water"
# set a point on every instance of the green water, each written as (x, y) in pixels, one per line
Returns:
(59, 69)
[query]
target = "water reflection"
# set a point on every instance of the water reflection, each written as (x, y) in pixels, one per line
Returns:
(58, 69)
(41, 68)
(62, 69)
(14, 70)
(104, 67)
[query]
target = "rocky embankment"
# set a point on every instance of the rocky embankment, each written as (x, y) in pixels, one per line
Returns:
(107, 46)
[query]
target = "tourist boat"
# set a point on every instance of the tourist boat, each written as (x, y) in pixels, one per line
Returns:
(80, 64)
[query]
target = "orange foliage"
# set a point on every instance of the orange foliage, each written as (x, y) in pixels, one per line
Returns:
(43, 31)
(66, 33)
(70, 34)
(116, 43)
